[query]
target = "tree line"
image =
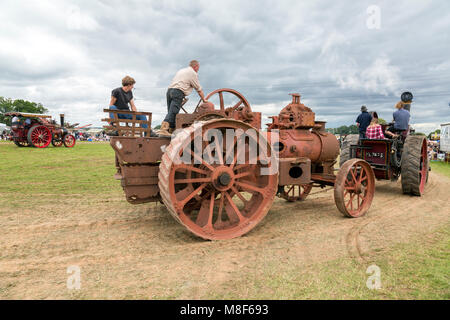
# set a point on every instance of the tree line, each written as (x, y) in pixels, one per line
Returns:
(19, 105)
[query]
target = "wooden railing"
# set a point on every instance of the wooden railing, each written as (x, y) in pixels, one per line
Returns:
(128, 127)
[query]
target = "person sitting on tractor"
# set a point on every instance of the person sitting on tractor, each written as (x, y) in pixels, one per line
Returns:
(120, 98)
(363, 121)
(374, 130)
(401, 121)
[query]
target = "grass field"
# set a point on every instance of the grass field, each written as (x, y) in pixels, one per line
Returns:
(441, 167)
(415, 268)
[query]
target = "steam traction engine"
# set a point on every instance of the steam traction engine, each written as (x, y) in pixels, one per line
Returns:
(38, 130)
(404, 155)
(212, 182)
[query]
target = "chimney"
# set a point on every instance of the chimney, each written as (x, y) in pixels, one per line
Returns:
(61, 116)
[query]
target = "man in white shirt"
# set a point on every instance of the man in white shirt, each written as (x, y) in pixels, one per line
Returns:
(182, 84)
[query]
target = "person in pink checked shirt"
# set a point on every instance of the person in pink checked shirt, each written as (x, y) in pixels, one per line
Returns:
(374, 130)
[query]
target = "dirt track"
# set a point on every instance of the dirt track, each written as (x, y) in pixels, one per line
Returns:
(141, 252)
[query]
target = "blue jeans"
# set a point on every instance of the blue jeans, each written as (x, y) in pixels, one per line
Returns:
(174, 101)
(128, 116)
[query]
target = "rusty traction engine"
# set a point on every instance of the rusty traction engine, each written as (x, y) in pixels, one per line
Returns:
(211, 180)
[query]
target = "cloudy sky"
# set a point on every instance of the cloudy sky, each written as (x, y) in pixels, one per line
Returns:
(69, 55)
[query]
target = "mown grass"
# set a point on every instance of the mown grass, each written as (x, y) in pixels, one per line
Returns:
(86, 168)
(416, 270)
(441, 167)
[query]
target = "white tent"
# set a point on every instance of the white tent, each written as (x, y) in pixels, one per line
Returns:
(4, 127)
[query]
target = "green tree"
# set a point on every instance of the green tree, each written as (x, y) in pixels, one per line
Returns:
(19, 105)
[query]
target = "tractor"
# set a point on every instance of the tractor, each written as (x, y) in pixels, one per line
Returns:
(404, 155)
(219, 173)
(38, 130)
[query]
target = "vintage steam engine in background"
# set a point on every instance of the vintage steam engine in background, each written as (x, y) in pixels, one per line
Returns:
(229, 196)
(39, 130)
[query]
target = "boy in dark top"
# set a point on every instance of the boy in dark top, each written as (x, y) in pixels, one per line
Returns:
(363, 121)
(121, 97)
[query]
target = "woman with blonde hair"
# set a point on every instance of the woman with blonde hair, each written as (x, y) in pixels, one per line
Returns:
(374, 130)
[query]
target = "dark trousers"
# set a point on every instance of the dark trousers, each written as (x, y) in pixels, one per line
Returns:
(174, 100)
(362, 135)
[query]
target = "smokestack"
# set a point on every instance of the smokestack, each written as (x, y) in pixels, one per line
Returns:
(61, 115)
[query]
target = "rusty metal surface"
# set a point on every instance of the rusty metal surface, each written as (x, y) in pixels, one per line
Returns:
(294, 171)
(207, 111)
(139, 150)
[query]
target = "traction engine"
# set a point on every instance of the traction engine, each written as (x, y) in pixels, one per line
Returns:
(212, 181)
(38, 130)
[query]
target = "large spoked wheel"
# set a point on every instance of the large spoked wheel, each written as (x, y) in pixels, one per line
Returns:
(414, 170)
(57, 142)
(69, 141)
(295, 192)
(218, 189)
(235, 95)
(39, 136)
(354, 188)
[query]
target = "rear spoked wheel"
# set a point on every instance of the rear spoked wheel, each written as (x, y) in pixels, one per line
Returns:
(39, 136)
(220, 199)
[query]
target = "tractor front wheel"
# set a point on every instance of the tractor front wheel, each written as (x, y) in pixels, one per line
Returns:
(354, 188)
(57, 142)
(69, 141)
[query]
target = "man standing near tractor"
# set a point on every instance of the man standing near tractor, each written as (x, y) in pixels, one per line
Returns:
(363, 121)
(182, 84)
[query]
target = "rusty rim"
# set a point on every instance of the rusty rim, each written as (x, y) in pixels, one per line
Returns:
(354, 188)
(296, 192)
(220, 93)
(69, 140)
(40, 136)
(218, 199)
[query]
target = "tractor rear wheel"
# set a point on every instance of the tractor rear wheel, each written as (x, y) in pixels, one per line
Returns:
(354, 188)
(39, 136)
(414, 170)
(351, 139)
(224, 198)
